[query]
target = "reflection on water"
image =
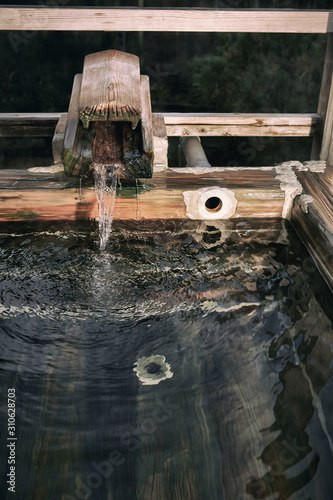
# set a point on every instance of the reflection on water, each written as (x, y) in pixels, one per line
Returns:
(240, 324)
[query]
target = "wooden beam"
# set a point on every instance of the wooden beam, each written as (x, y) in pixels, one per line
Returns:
(321, 139)
(178, 124)
(312, 218)
(247, 125)
(40, 18)
(258, 192)
(28, 124)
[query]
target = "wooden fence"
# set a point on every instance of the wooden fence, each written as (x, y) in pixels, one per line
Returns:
(319, 125)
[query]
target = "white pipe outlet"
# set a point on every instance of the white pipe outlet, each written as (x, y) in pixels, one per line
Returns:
(210, 203)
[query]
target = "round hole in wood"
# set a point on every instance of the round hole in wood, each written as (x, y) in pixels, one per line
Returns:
(213, 204)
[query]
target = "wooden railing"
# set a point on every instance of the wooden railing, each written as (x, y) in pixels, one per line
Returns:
(154, 19)
(40, 18)
(178, 124)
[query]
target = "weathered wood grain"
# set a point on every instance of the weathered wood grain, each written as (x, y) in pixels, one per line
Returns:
(321, 139)
(25, 180)
(250, 125)
(147, 120)
(178, 124)
(160, 140)
(313, 221)
(109, 90)
(109, 121)
(326, 152)
(146, 19)
(257, 190)
(78, 142)
(249, 119)
(58, 139)
(73, 114)
(314, 230)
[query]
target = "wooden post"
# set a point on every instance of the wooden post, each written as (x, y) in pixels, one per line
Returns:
(147, 121)
(321, 142)
(58, 139)
(72, 125)
(160, 143)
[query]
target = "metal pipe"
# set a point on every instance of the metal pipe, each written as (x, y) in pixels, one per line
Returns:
(193, 152)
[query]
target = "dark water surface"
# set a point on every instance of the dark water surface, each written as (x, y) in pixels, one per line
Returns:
(238, 333)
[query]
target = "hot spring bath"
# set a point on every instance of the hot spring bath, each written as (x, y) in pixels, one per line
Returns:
(174, 365)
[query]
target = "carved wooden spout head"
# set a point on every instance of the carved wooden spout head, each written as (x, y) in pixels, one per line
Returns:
(109, 118)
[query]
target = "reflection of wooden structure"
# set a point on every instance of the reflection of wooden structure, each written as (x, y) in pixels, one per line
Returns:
(260, 192)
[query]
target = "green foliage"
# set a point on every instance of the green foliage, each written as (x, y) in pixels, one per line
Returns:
(260, 73)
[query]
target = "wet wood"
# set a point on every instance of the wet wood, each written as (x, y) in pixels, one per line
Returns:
(316, 234)
(109, 118)
(25, 180)
(257, 190)
(312, 219)
(150, 19)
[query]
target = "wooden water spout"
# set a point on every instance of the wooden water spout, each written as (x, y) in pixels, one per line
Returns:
(109, 119)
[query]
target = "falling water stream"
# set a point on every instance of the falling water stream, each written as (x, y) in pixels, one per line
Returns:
(105, 188)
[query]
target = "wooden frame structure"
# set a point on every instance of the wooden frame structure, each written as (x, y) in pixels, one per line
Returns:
(257, 188)
(160, 19)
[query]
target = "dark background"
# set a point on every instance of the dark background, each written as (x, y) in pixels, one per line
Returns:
(189, 72)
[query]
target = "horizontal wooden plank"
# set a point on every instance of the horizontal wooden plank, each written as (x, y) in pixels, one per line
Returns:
(154, 19)
(236, 124)
(239, 130)
(257, 191)
(28, 124)
(23, 180)
(28, 118)
(178, 124)
(249, 119)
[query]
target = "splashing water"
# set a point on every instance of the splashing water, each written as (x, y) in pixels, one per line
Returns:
(105, 189)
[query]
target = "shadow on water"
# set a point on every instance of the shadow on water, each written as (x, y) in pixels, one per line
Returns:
(245, 324)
